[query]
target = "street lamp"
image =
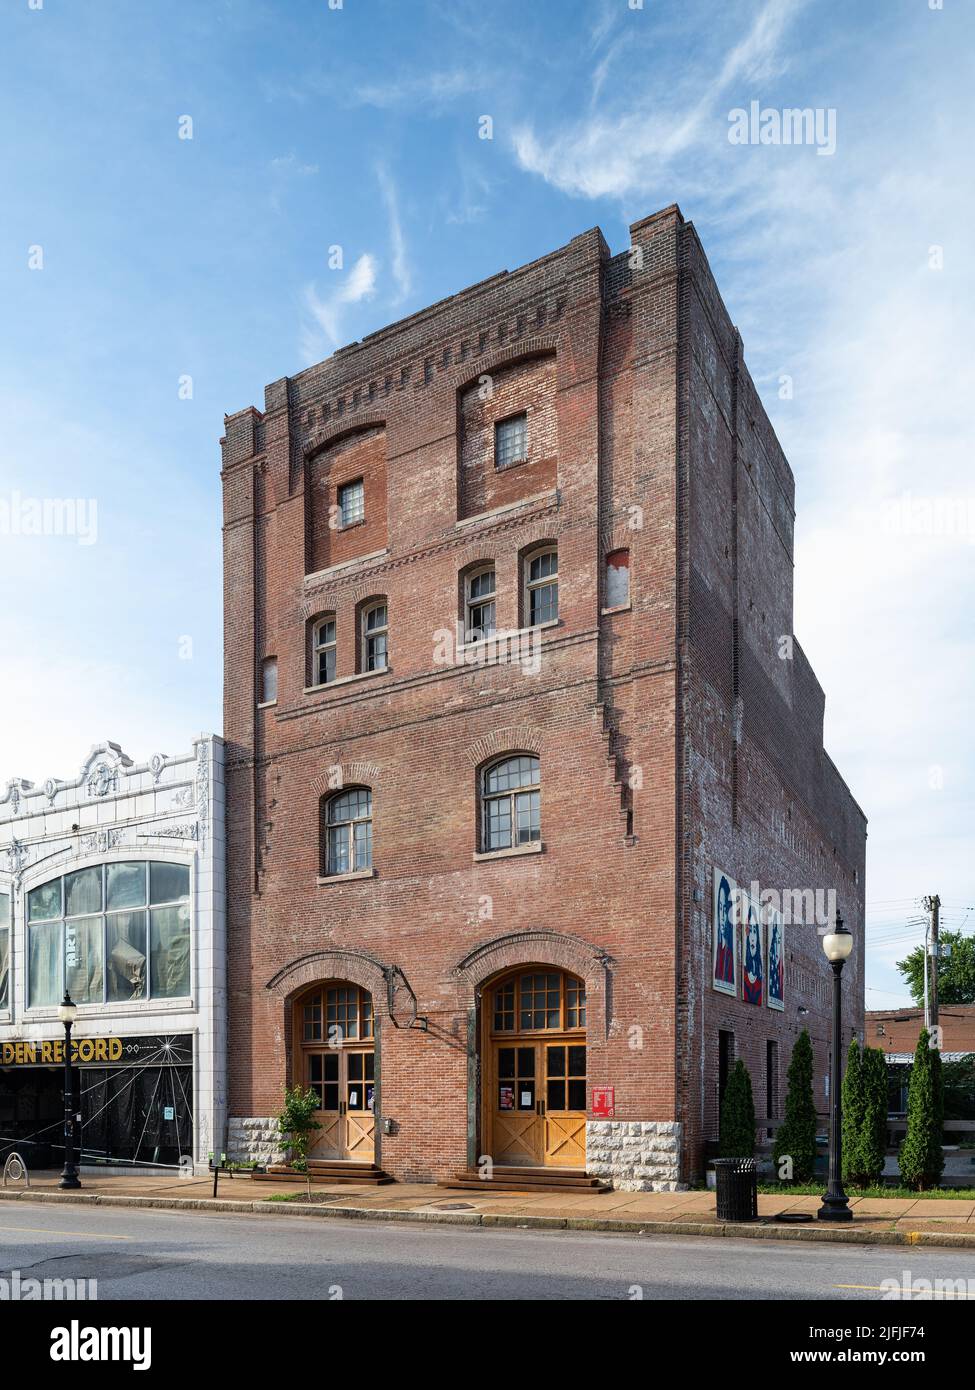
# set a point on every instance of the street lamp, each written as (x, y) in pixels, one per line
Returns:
(836, 1205)
(67, 1013)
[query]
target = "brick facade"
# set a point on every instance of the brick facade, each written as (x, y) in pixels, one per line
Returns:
(672, 735)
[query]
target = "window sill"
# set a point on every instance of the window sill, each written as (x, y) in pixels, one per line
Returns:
(127, 1008)
(266, 704)
(618, 608)
(346, 680)
(345, 878)
(522, 503)
(351, 525)
(506, 637)
(536, 847)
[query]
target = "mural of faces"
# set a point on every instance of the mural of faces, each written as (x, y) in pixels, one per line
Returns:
(752, 971)
(724, 974)
(776, 959)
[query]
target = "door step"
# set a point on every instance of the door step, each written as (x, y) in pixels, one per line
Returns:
(327, 1173)
(516, 1179)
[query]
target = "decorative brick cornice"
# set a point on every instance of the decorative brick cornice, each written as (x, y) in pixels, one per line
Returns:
(514, 738)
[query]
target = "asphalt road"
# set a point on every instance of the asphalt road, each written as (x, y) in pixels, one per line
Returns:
(143, 1254)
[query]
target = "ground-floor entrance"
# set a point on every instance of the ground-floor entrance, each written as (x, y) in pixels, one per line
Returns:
(534, 1080)
(338, 1061)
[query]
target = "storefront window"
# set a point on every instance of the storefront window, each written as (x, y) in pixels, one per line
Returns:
(124, 935)
(4, 949)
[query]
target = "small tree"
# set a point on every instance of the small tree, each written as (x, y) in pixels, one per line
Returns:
(737, 1133)
(873, 1142)
(921, 1156)
(852, 1111)
(296, 1125)
(795, 1139)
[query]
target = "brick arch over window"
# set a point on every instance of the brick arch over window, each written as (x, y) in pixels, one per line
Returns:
(326, 438)
(346, 459)
(353, 774)
(541, 947)
(356, 967)
(538, 346)
(516, 738)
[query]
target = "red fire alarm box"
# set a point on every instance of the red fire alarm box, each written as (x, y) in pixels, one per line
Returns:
(604, 1101)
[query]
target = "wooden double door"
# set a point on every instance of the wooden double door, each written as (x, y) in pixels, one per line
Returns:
(344, 1079)
(537, 1101)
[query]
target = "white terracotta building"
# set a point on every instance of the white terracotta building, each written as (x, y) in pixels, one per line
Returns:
(112, 886)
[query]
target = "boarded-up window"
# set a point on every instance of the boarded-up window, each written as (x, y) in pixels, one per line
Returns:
(617, 578)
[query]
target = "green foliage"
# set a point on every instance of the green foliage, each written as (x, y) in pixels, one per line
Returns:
(737, 1134)
(852, 1111)
(921, 1157)
(956, 973)
(795, 1138)
(296, 1125)
(958, 1079)
(873, 1137)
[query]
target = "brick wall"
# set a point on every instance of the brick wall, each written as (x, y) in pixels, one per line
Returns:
(629, 712)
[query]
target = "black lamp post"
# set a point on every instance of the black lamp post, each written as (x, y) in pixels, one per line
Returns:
(836, 1205)
(67, 1013)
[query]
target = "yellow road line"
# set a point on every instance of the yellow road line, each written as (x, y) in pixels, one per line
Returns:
(47, 1231)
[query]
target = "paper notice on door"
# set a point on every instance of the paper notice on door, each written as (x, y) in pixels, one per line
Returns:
(526, 1100)
(353, 1100)
(506, 1098)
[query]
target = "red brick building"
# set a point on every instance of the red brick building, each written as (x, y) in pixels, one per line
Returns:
(896, 1031)
(482, 867)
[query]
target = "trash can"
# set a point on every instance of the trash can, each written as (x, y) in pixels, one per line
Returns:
(737, 1185)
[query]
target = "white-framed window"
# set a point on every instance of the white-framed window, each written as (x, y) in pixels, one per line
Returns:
(347, 827)
(479, 605)
(4, 949)
(375, 637)
(511, 441)
(542, 587)
(511, 803)
(352, 502)
(324, 651)
(111, 933)
(269, 680)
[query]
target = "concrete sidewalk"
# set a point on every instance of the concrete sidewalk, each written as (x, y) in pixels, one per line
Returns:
(896, 1221)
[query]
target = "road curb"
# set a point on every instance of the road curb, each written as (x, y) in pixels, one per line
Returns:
(765, 1230)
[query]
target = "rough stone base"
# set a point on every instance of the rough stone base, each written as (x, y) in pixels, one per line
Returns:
(635, 1155)
(254, 1141)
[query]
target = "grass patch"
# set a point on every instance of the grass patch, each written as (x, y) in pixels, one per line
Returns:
(949, 1194)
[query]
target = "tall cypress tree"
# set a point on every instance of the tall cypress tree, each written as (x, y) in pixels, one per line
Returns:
(921, 1157)
(796, 1136)
(852, 1110)
(737, 1131)
(873, 1141)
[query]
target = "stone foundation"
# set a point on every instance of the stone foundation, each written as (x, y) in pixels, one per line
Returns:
(635, 1155)
(254, 1141)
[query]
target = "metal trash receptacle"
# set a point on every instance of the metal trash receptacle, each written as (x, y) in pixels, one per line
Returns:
(737, 1189)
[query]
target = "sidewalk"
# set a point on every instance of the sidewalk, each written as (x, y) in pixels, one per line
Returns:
(894, 1221)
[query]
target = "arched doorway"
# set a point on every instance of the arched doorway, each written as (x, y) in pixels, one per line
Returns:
(534, 1077)
(336, 1057)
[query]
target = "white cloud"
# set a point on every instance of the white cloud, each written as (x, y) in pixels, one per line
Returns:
(325, 314)
(401, 269)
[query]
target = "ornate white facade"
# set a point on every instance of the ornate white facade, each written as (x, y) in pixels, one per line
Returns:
(112, 884)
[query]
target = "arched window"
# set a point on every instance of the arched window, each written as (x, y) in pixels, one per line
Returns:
(324, 650)
(112, 933)
(542, 587)
(347, 832)
(375, 637)
(479, 620)
(539, 1001)
(511, 803)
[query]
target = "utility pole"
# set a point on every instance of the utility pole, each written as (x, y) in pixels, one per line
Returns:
(933, 905)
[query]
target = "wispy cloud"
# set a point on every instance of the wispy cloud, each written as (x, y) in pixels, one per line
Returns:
(325, 313)
(421, 91)
(397, 243)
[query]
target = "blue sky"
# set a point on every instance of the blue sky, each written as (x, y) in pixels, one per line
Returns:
(163, 258)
